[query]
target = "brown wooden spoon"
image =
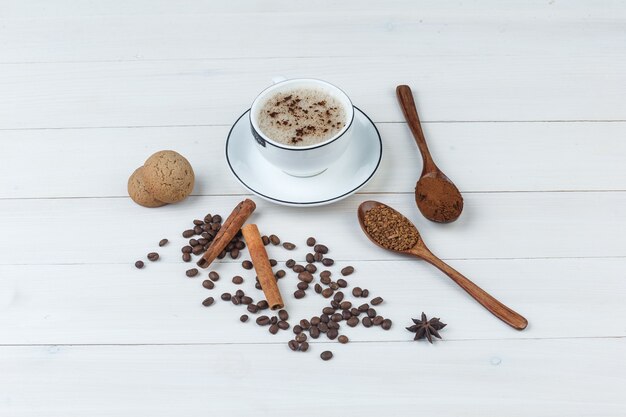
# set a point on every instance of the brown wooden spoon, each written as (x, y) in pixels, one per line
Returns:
(435, 195)
(420, 250)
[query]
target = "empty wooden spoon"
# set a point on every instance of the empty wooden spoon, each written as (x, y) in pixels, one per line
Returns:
(435, 195)
(390, 230)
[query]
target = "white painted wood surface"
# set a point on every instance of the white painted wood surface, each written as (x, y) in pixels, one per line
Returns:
(523, 105)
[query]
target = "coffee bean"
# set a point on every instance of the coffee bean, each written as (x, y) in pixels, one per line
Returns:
(324, 318)
(347, 270)
(208, 284)
(191, 272)
(355, 311)
(246, 300)
(290, 263)
(197, 230)
(289, 246)
(153, 256)
(365, 293)
(186, 257)
(266, 240)
(378, 320)
(240, 245)
(318, 288)
(139, 264)
(310, 268)
(323, 327)
(207, 235)
(263, 320)
(273, 262)
(304, 346)
(326, 355)
(297, 329)
(343, 339)
(305, 276)
(247, 264)
(186, 249)
(263, 305)
(188, 233)
(283, 315)
(214, 276)
(309, 258)
(386, 325)
(236, 300)
(302, 286)
(356, 291)
(163, 242)
(274, 240)
(280, 273)
(298, 294)
(315, 320)
(325, 277)
(342, 283)
(318, 257)
(367, 322)
(334, 304)
(257, 286)
(243, 318)
(215, 227)
(226, 296)
(273, 320)
(352, 321)
(371, 313)
(320, 249)
(203, 241)
(376, 301)
(237, 280)
(305, 324)
(207, 218)
(193, 242)
(345, 314)
(327, 262)
(208, 301)
(282, 325)
(252, 308)
(239, 293)
(198, 222)
(336, 317)
(234, 253)
(364, 307)
(338, 296)
(297, 268)
(328, 310)
(301, 338)
(333, 286)
(345, 305)
(310, 241)
(293, 345)
(216, 219)
(197, 250)
(327, 292)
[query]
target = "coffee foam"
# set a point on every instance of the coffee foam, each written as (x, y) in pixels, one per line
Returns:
(301, 117)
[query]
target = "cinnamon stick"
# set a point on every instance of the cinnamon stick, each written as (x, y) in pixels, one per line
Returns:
(227, 232)
(262, 266)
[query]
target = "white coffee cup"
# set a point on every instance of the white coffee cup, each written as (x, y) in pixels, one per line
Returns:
(303, 161)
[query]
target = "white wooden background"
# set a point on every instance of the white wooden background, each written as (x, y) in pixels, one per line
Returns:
(523, 103)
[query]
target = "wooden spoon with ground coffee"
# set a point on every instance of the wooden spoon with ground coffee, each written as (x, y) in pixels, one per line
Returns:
(390, 230)
(436, 196)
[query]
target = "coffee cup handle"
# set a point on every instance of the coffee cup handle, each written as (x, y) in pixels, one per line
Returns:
(278, 79)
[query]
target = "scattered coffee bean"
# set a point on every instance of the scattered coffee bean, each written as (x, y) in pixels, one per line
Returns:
(198, 222)
(301, 338)
(305, 324)
(315, 320)
(257, 286)
(239, 293)
(266, 240)
(310, 241)
(305, 276)
(252, 308)
(237, 280)
(297, 268)
(186, 249)
(324, 318)
(263, 320)
(208, 284)
(327, 262)
(207, 218)
(226, 296)
(298, 294)
(290, 263)
(321, 249)
(235, 300)
(263, 305)
(356, 291)
(355, 311)
(367, 322)
(342, 283)
(203, 241)
(197, 250)
(304, 346)
(318, 288)
(297, 329)
(338, 296)
(273, 320)
(246, 300)
(273, 262)
(343, 339)
(216, 219)
(345, 305)
(289, 246)
(309, 258)
(323, 327)
(139, 264)
(214, 276)
(325, 280)
(193, 242)
(188, 233)
(336, 317)
(327, 292)
(352, 321)
(378, 320)
(293, 345)
(197, 230)
(240, 245)
(280, 273)
(186, 257)
(318, 257)
(333, 286)
(347, 270)
(364, 307)
(208, 301)
(302, 286)
(191, 272)
(334, 304)
(153, 256)
(328, 310)
(163, 242)
(243, 318)
(274, 240)
(283, 315)
(247, 264)
(386, 325)
(234, 253)
(282, 325)
(371, 313)
(376, 301)
(310, 268)
(326, 355)
(365, 293)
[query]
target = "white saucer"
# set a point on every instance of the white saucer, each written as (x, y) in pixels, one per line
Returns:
(342, 179)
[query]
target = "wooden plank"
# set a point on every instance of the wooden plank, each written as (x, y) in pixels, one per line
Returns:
(447, 88)
(118, 304)
(493, 225)
(145, 31)
(478, 156)
(515, 378)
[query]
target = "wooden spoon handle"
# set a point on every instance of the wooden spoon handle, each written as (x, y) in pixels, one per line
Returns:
(498, 309)
(405, 97)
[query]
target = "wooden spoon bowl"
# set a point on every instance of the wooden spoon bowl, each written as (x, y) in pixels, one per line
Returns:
(420, 250)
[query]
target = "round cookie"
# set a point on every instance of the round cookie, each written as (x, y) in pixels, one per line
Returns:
(168, 176)
(137, 190)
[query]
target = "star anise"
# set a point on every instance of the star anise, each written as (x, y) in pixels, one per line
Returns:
(426, 328)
